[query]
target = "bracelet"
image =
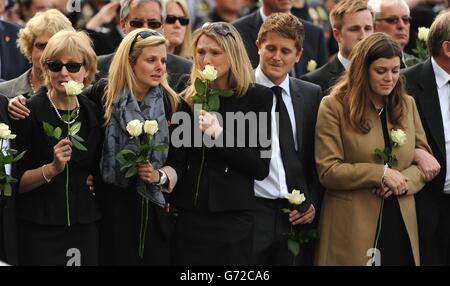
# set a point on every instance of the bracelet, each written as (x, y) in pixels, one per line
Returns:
(43, 174)
(384, 174)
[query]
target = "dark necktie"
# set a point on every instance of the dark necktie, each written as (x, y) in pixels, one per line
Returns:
(292, 166)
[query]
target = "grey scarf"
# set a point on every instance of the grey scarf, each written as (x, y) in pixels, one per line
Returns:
(125, 108)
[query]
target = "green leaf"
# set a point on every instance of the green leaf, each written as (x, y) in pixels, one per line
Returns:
(214, 103)
(125, 156)
(131, 172)
(77, 144)
(286, 210)
(11, 179)
(294, 247)
(160, 148)
(126, 165)
(74, 128)
(66, 117)
(78, 138)
(48, 128)
(57, 133)
(200, 86)
(226, 93)
(7, 190)
(18, 157)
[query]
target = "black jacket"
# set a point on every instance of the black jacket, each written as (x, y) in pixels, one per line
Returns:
(228, 174)
(326, 76)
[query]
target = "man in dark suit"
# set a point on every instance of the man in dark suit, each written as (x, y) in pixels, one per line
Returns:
(8, 229)
(139, 14)
(292, 166)
(429, 83)
(351, 21)
(314, 47)
(12, 62)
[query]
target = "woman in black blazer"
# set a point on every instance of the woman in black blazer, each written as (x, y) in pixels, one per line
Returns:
(56, 226)
(214, 192)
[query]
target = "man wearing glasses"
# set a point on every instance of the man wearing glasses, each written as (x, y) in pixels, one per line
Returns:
(392, 17)
(136, 14)
(429, 83)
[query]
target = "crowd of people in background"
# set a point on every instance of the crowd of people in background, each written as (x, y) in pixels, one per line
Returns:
(351, 112)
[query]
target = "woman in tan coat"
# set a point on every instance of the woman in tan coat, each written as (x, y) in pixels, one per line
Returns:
(368, 213)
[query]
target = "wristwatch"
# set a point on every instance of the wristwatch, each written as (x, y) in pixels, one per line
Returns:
(162, 178)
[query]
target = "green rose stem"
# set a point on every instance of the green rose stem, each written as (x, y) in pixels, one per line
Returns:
(203, 155)
(67, 165)
(143, 229)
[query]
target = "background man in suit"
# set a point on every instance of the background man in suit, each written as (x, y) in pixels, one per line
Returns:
(8, 228)
(146, 13)
(292, 166)
(352, 21)
(12, 62)
(393, 17)
(429, 83)
(314, 48)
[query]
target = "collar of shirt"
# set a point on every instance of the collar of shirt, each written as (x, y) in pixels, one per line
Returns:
(263, 16)
(262, 79)
(345, 62)
(442, 77)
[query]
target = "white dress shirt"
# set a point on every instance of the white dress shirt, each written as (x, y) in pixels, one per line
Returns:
(8, 166)
(443, 89)
(274, 186)
(345, 62)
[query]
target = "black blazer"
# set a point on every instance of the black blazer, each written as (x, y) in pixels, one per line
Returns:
(227, 181)
(314, 45)
(421, 84)
(12, 61)
(106, 42)
(46, 204)
(326, 76)
(306, 99)
(8, 228)
(176, 68)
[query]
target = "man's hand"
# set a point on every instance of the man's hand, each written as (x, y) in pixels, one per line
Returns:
(296, 217)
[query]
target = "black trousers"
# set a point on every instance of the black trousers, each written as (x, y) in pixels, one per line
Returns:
(217, 239)
(270, 236)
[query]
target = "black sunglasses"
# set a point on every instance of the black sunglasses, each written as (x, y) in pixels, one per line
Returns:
(220, 28)
(393, 20)
(56, 66)
(40, 46)
(139, 23)
(144, 35)
(171, 19)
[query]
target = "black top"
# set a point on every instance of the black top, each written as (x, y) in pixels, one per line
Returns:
(228, 173)
(47, 203)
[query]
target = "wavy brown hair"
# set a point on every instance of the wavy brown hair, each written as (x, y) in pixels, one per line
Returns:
(353, 89)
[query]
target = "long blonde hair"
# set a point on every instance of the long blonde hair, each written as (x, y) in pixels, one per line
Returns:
(121, 73)
(241, 73)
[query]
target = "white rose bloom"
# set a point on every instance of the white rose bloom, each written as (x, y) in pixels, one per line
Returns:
(296, 198)
(423, 34)
(151, 127)
(5, 133)
(311, 65)
(209, 73)
(134, 128)
(398, 137)
(73, 88)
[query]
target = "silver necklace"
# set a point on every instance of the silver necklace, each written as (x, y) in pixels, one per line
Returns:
(59, 115)
(379, 113)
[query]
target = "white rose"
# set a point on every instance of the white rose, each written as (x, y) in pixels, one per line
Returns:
(423, 34)
(398, 137)
(5, 133)
(311, 65)
(296, 198)
(151, 127)
(73, 88)
(209, 73)
(134, 127)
